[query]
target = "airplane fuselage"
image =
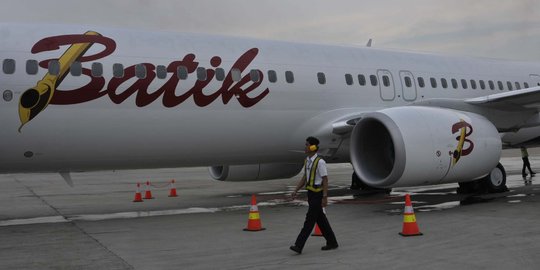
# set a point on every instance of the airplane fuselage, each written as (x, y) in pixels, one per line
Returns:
(158, 101)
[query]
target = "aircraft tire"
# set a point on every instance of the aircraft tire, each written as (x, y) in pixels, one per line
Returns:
(495, 181)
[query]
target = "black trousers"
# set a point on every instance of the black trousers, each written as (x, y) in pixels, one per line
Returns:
(527, 165)
(314, 215)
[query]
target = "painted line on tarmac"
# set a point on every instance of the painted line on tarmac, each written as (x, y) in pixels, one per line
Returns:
(139, 214)
(99, 217)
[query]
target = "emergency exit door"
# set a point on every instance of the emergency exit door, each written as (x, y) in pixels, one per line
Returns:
(386, 85)
(408, 85)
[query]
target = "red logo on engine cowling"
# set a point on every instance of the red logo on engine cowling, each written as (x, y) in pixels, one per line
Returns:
(465, 129)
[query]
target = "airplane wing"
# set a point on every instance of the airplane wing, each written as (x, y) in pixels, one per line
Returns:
(523, 99)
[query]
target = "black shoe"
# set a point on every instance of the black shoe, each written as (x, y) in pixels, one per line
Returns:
(296, 249)
(329, 247)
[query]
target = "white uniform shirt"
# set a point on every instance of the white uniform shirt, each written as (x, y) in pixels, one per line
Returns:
(321, 169)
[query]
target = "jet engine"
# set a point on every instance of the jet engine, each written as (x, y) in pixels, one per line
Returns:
(408, 146)
(254, 172)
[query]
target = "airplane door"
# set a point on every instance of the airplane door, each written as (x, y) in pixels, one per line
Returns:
(386, 85)
(535, 78)
(408, 85)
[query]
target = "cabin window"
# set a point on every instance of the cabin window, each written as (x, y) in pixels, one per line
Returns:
(272, 76)
(220, 74)
(500, 84)
(348, 79)
(509, 84)
(54, 67)
(526, 85)
(76, 69)
(386, 80)
(31, 67)
(161, 72)
(473, 84)
(201, 74)
(254, 75)
(97, 69)
(482, 84)
(8, 66)
(236, 74)
(454, 84)
(421, 82)
(518, 86)
(321, 77)
(140, 71)
(182, 73)
(491, 85)
(408, 82)
(362, 79)
(433, 82)
(289, 76)
(444, 83)
(464, 83)
(118, 70)
(373, 80)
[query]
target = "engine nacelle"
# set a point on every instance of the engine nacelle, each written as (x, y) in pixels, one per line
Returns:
(254, 172)
(408, 146)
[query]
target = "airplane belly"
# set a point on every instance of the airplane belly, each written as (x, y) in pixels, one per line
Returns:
(116, 137)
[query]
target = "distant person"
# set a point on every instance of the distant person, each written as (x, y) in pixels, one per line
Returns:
(526, 164)
(315, 180)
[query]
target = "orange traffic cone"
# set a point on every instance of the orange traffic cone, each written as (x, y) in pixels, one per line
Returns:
(148, 192)
(172, 193)
(410, 228)
(317, 231)
(254, 221)
(138, 196)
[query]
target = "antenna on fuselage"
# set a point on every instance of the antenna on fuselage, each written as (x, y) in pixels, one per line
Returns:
(369, 43)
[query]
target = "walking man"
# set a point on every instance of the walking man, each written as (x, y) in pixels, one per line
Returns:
(315, 180)
(526, 164)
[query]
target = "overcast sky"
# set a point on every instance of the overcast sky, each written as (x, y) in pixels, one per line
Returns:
(507, 29)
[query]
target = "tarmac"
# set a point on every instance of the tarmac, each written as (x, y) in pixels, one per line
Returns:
(45, 224)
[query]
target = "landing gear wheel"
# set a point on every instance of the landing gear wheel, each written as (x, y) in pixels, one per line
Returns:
(495, 181)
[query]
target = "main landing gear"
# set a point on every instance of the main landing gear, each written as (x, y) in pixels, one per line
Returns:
(494, 182)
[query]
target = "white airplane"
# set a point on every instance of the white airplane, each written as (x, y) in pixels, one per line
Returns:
(78, 98)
